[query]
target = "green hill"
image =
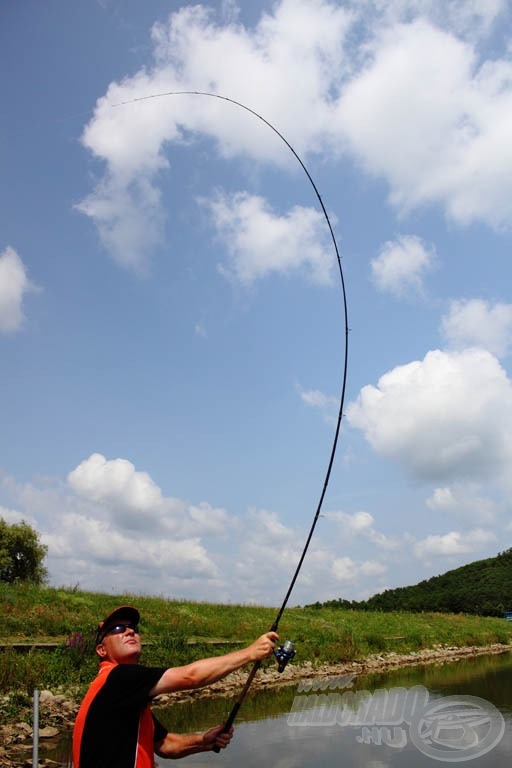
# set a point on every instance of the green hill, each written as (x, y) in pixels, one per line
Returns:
(483, 588)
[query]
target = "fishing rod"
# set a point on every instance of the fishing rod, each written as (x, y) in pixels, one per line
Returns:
(286, 651)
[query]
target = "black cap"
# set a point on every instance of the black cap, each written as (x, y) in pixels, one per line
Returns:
(126, 612)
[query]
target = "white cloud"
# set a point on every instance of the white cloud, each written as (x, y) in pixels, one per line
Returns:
(203, 554)
(333, 80)
(464, 501)
(111, 525)
(208, 519)
(473, 18)
(12, 516)
(443, 419)
(362, 524)
(317, 399)
(199, 551)
(230, 10)
(128, 217)
(401, 265)
(345, 569)
(357, 523)
(372, 568)
(260, 241)
(445, 141)
(115, 480)
(279, 68)
(110, 555)
(327, 405)
(14, 284)
(453, 543)
(475, 322)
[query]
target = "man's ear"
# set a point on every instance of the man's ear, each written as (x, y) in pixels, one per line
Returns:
(101, 651)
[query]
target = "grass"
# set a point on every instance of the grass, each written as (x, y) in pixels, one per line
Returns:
(68, 617)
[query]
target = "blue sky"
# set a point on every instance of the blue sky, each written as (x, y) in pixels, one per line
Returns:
(171, 318)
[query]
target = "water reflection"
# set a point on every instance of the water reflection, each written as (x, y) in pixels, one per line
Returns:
(264, 734)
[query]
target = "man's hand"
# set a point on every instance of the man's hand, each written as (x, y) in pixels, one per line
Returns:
(215, 737)
(263, 646)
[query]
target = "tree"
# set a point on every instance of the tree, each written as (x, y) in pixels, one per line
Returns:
(21, 554)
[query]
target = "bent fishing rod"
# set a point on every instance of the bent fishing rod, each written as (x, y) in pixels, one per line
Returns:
(286, 651)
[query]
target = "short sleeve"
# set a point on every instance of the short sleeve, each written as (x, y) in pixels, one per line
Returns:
(160, 730)
(132, 683)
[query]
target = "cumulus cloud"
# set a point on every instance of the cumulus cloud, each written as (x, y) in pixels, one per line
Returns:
(474, 322)
(131, 499)
(199, 551)
(279, 68)
(111, 525)
(12, 516)
(345, 569)
(205, 554)
(362, 524)
(335, 80)
(445, 418)
(444, 142)
(326, 405)
(176, 549)
(317, 399)
(260, 241)
(14, 284)
(101, 480)
(466, 502)
(453, 543)
(401, 265)
(128, 217)
(471, 18)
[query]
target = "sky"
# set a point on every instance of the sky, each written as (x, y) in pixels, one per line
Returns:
(172, 331)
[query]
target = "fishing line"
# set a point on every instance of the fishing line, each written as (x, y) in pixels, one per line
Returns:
(286, 652)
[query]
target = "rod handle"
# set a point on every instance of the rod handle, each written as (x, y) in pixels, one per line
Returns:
(238, 703)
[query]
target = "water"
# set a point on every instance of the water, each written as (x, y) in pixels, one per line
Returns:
(476, 731)
(264, 735)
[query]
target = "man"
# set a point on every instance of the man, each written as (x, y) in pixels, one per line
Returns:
(115, 727)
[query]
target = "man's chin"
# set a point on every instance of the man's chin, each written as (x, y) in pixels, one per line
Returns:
(131, 655)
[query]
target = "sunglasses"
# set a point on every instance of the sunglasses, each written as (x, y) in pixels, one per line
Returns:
(118, 629)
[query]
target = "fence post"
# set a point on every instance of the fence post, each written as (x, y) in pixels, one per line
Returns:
(35, 743)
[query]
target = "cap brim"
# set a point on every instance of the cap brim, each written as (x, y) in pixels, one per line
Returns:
(126, 612)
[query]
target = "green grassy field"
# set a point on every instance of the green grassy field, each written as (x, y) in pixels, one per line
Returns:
(68, 617)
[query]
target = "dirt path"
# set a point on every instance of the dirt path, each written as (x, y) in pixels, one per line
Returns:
(58, 711)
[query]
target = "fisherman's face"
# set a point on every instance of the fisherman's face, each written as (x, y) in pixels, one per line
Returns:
(121, 644)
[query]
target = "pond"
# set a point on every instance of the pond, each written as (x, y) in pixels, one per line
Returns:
(419, 716)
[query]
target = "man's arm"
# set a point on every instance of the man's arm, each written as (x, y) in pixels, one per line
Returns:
(207, 671)
(175, 745)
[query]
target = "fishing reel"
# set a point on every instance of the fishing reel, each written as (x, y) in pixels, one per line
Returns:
(284, 654)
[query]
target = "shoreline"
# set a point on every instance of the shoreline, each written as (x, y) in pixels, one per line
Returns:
(375, 664)
(59, 710)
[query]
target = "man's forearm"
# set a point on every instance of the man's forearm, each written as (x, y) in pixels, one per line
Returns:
(202, 672)
(176, 745)
(210, 670)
